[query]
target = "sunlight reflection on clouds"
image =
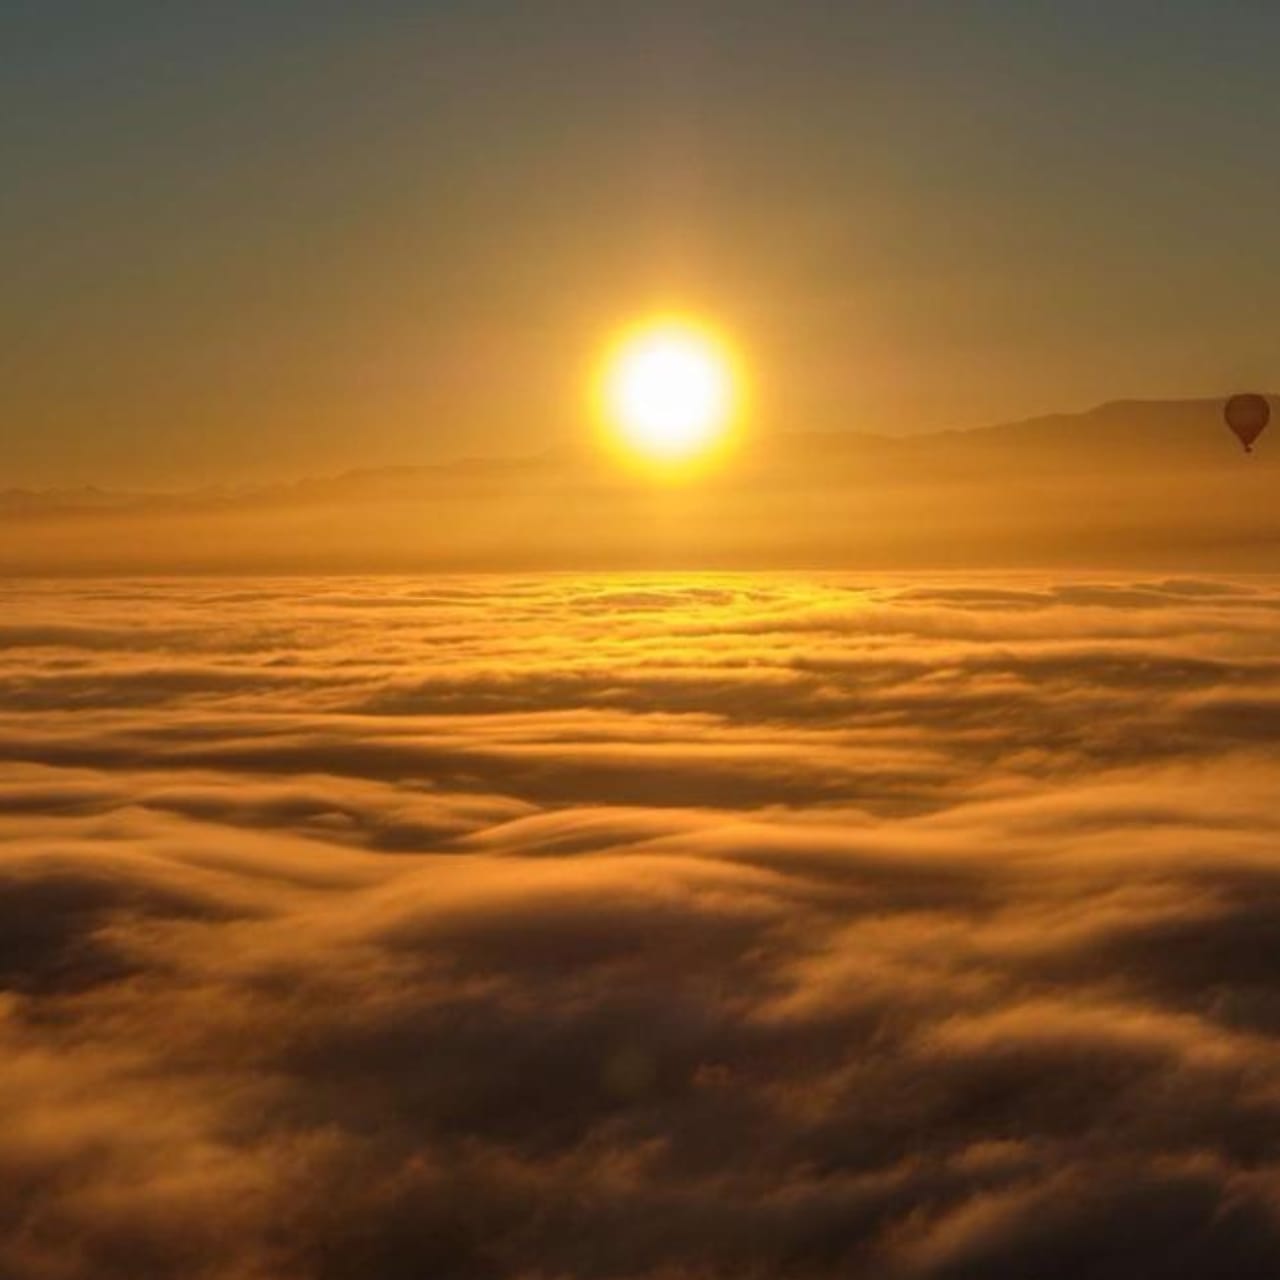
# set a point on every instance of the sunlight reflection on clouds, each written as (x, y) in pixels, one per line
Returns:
(640, 926)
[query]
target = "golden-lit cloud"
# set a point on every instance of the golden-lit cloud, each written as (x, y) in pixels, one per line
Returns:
(639, 926)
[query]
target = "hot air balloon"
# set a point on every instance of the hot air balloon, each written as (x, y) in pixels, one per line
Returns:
(1247, 416)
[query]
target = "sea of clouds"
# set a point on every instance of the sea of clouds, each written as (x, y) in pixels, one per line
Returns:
(639, 926)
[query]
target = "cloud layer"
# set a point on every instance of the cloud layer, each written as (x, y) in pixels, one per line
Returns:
(639, 926)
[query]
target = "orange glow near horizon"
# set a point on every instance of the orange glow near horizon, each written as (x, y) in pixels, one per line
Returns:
(670, 393)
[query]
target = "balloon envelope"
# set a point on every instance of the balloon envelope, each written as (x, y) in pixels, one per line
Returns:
(1247, 416)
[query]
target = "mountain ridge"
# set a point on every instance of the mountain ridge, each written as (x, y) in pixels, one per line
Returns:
(1133, 431)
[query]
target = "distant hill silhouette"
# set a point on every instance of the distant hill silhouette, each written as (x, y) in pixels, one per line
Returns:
(1141, 435)
(1161, 434)
(1144, 436)
(1151, 482)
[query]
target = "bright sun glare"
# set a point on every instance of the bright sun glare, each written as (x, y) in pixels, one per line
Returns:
(669, 392)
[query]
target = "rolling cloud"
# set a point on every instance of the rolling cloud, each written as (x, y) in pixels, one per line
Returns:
(640, 927)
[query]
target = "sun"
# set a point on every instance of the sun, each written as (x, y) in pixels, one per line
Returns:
(670, 392)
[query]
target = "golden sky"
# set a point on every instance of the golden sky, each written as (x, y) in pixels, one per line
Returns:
(289, 239)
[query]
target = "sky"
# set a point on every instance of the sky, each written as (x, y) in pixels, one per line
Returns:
(273, 239)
